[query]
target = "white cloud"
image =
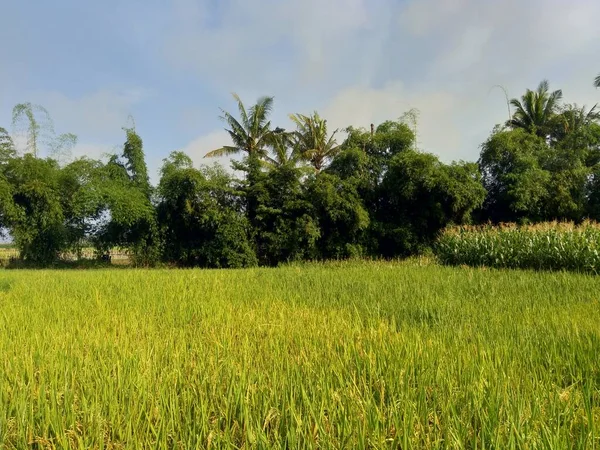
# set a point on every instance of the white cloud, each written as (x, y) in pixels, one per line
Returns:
(360, 107)
(200, 146)
(363, 61)
(95, 115)
(356, 61)
(93, 151)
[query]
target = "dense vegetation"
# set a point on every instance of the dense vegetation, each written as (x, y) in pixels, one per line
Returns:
(347, 356)
(547, 246)
(303, 194)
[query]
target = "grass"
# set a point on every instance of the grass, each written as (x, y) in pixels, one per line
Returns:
(355, 355)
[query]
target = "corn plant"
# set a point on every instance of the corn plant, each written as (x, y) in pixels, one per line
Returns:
(549, 246)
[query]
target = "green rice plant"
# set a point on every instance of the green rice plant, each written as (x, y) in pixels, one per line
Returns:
(343, 356)
(550, 246)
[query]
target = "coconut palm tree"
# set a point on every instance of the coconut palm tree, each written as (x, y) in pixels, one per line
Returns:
(312, 140)
(251, 134)
(597, 81)
(572, 118)
(282, 150)
(536, 110)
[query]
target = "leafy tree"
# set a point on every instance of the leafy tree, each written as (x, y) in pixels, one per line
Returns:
(341, 215)
(35, 218)
(135, 162)
(37, 124)
(536, 110)
(284, 228)
(567, 190)
(512, 166)
(7, 147)
(364, 162)
(313, 141)
(381, 145)
(82, 190)
(7, 207)
(420, 196)
(130, 216)
(200, 218)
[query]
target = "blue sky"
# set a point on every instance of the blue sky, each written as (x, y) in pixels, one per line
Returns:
(173, 64)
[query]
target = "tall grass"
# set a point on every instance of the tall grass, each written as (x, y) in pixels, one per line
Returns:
(550, 246)
(348, 356)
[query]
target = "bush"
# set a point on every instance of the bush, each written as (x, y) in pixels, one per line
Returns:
(547, 246)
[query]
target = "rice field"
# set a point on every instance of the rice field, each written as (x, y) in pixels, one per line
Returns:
(348, 355)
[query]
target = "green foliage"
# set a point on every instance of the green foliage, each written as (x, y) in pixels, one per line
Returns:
(420, 196)
(7, 206)
(303, 196)
(131, 222)
(135, 162)
(200, 218)
(511, 163)
(284, 226)
(593, 194)
(543, 247)
(7, 147)
(386, 141)
(340, 214)
(83, 199)
(34, 214)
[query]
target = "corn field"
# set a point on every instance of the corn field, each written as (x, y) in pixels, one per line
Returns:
(547, 246)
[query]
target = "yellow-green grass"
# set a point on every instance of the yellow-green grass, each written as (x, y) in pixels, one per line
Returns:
(356, 355)
(7, 252)
(118, 256)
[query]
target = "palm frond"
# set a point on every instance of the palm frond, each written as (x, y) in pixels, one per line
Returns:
(242, 110)
(593, 114)
(537, 110)
(236, 127)
(223, 151)
(597, 81)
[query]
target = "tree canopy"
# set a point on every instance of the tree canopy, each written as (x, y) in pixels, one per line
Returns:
(306, 193)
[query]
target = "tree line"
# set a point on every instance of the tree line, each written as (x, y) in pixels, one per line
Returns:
(303, 194)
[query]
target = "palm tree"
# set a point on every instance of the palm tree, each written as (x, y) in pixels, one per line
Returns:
(573, 118)
(536, 110)
(283, 152)
(312, 140)
(597, 81)
(252, 133)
